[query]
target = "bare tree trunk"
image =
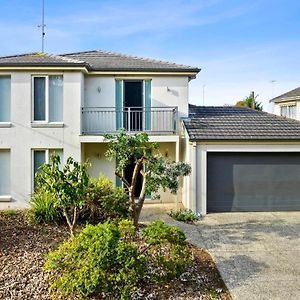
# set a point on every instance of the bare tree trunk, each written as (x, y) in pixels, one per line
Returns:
(133, 206)
(70, 224)
(135, 174)
(141, 199)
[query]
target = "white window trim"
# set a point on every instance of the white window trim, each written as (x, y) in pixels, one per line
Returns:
(36, 123)
(7, 124)
(7, 198)
(288, 106)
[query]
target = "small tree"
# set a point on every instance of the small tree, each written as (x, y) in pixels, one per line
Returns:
(66, 185)
(156, 170)
(247, 102)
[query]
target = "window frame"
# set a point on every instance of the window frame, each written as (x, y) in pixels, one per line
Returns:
(7, 197)
(7, 124)
(46, 76)
(289, 107)
(47, 156)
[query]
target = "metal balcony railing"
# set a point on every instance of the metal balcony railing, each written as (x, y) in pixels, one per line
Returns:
(156, 120)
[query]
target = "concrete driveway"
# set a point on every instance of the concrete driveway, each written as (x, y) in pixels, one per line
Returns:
(258, 254)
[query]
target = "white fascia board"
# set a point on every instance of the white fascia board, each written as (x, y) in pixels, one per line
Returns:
(152, 138)
(251, 147)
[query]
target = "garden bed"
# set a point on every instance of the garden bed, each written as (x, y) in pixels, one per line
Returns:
(23, 247)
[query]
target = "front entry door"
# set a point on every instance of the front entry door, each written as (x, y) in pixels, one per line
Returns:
(133, 105)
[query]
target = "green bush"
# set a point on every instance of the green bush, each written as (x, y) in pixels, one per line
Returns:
(167, 253)
(185, 215)
(42, 209)
(113, 259)
(104, 201)
(98, 260)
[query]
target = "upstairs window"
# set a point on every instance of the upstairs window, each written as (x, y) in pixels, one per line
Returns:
(5, 90)
(288, 111)
(48, 98)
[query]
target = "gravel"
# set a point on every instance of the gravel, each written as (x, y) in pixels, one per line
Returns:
(23, 247)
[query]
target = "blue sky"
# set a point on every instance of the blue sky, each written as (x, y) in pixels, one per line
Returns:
(239, 45)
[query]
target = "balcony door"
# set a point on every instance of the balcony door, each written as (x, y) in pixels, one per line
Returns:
(133, 105)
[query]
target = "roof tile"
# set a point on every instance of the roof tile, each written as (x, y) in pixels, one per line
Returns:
(238, 123)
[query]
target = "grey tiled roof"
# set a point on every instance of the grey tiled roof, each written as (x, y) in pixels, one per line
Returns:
(39, 59)
(291, 95)
(96, 60)
(99, 60)
(238, 123)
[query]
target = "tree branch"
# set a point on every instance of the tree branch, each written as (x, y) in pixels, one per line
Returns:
(123, 179)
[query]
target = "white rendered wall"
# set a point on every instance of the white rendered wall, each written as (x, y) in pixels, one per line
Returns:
(166, 91)
(170, 91)
(21, 137)
(99, 91)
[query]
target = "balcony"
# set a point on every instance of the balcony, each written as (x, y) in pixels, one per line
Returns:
(154, 120)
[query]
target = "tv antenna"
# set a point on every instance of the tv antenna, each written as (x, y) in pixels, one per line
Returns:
(43, 25)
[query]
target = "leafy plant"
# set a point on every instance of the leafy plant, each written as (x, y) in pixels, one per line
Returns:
(166, 252)
(98, 260)
(42, 209)
(185, 215)
(66, 186)
(104, 201)
(247, 102)
(157, 171)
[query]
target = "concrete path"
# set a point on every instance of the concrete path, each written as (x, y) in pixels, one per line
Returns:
(257, 254)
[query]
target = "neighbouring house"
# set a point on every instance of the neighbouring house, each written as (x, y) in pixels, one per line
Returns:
(288, 104)
(242, 160)
(64, 104)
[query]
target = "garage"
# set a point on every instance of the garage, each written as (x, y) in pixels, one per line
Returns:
(253, 181)
(242, 160)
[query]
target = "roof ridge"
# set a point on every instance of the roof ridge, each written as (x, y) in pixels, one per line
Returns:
(67, 59)
(146, 58)
(79, 52)
(130, 56)
(22, 54)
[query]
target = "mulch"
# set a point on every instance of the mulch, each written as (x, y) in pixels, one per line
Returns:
(23, 247)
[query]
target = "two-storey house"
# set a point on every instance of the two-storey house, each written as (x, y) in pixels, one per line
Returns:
(66, 103)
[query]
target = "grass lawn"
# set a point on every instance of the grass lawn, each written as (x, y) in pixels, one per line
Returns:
(23, 247)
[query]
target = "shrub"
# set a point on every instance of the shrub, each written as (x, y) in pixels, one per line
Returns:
(185, 215)
(167, 253)
(67, 186)
(98, 260)
(113, 259)
(103, 201)
(42, 209)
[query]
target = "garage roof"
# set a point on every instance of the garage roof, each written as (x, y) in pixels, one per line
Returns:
(238, 123)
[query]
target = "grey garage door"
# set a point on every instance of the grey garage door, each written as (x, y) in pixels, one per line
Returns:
(253, 182)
